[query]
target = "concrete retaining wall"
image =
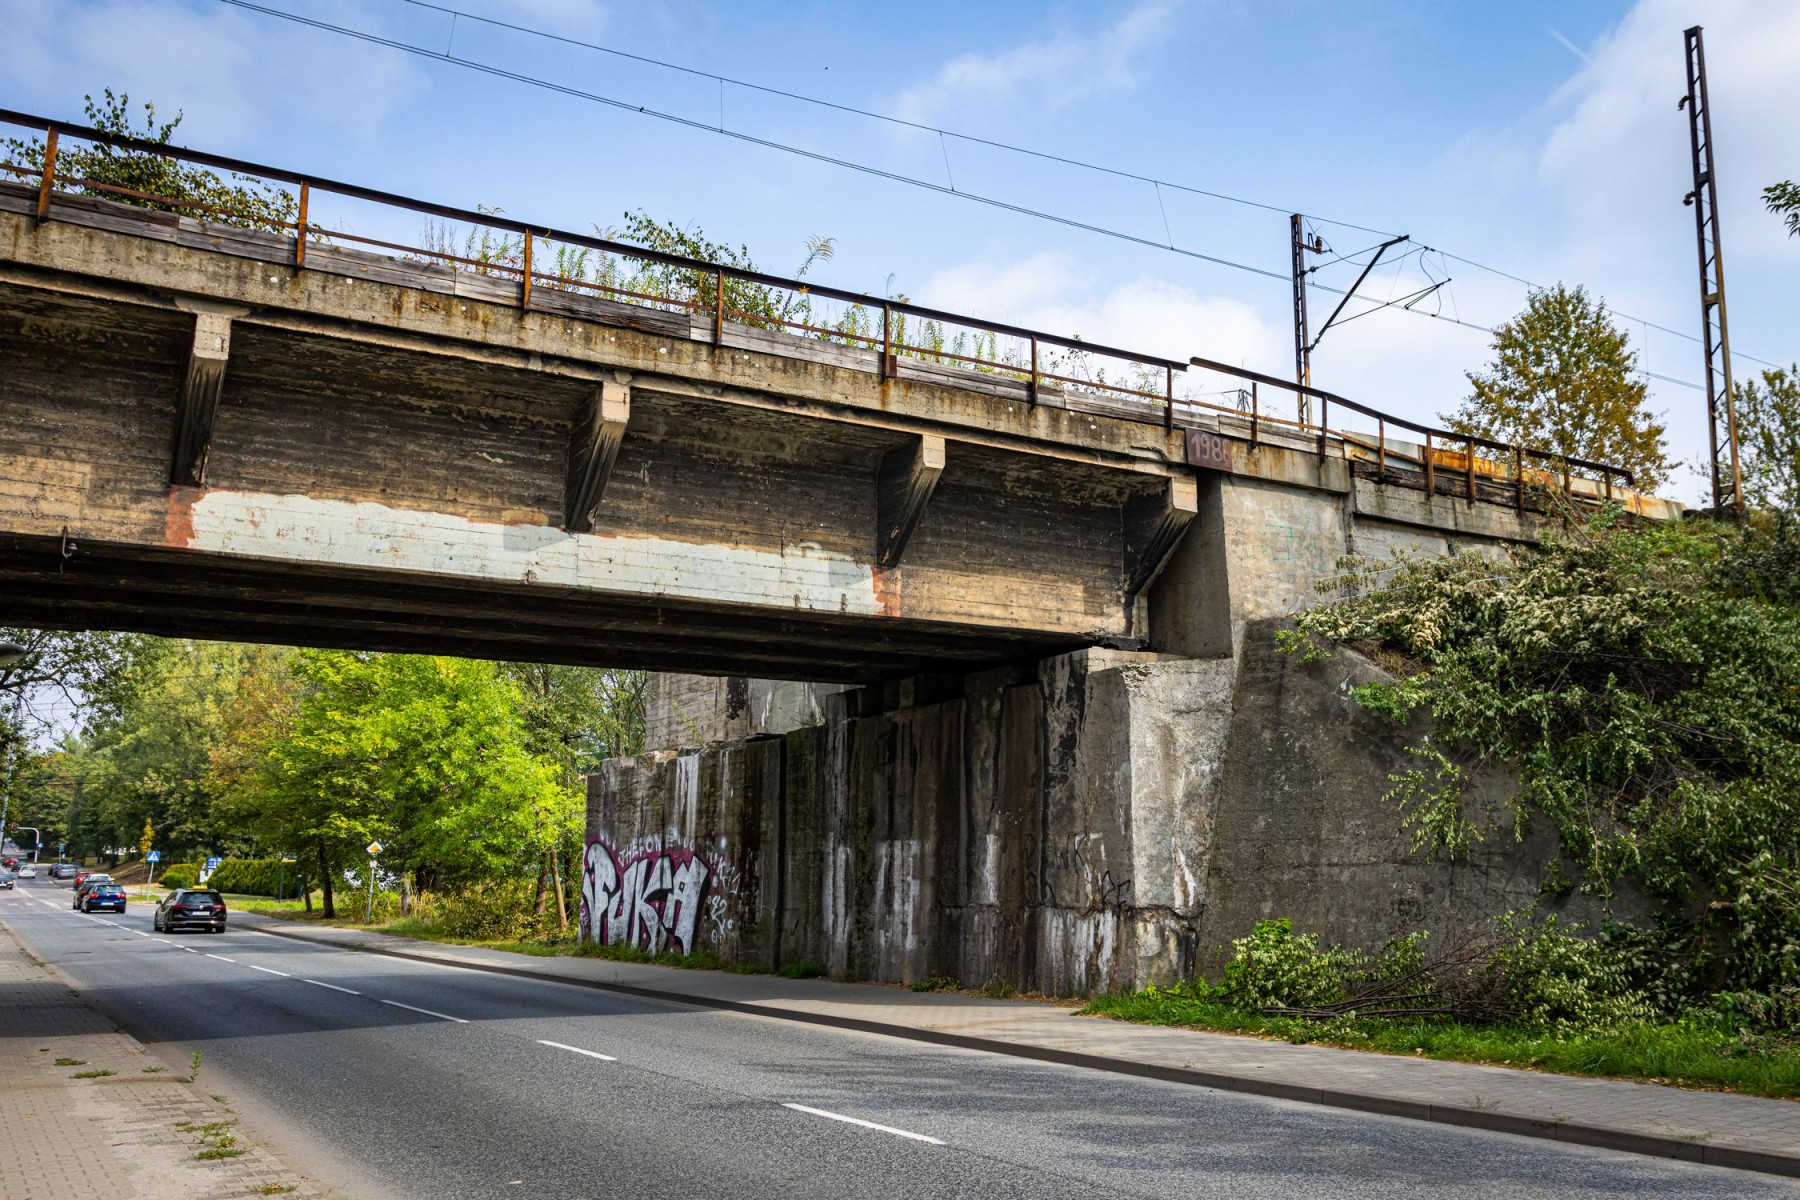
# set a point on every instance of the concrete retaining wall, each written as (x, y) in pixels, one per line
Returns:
(1108, 821)
(1099, 820)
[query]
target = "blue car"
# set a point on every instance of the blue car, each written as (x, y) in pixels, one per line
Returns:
(106, 895)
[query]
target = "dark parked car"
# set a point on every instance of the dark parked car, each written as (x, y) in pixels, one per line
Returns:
(87, 881)
(190, 909)
(103, 895)
(6, 880)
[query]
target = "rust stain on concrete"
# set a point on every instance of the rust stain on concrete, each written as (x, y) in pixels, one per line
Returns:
(178, 521)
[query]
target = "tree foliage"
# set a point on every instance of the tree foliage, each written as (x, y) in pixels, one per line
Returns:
(1783, 200)
(155, 181)
(1561, 382)
(1648, 693)
(427, 755)
(1768, 422)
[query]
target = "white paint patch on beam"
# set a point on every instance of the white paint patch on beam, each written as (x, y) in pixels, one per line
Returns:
(359, 534)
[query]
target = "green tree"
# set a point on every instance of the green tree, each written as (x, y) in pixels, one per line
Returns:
(576, 718)
(1783, 200)
(1561, 382)
(146, 755)
(156, 181)
(427, 755)
(1768, 422)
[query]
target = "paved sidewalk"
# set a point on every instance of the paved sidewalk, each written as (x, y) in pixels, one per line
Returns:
(131, 1134)
(1712, 1127)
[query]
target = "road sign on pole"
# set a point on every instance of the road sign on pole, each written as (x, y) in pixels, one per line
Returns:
(369, 915)
(153, 856)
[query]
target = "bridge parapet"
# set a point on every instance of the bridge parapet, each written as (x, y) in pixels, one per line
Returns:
(294, 432)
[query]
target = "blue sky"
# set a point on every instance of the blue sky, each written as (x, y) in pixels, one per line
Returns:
(1539, 138)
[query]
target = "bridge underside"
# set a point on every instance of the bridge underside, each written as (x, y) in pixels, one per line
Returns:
(342, 462)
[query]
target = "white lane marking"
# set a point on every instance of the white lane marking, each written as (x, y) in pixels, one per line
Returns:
(440, 1016)
(268, 970)
(579, 1050)
(334, 987)
(189, 949)
(222, 958)
(141, 932)
(831, 1116)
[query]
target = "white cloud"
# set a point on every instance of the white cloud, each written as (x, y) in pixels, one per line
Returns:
(234, 72)
(1620, 158)
(1058, 70)
(1048, 292)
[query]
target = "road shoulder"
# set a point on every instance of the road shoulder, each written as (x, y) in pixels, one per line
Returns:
(132, 1128)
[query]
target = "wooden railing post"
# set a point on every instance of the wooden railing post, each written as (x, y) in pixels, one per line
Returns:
(1430, 472)
(1381, 449)
(300, 229)
(1031, 388)
(1324, 423)
(1168, 397)
(48, 180)
(1470, 464)
(1253, 412)
(525, 273)
(1519, 478)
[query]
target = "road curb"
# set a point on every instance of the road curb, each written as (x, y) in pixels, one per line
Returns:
(1574, 1133)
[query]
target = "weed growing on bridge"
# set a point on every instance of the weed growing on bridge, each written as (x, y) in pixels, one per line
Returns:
(147, 180)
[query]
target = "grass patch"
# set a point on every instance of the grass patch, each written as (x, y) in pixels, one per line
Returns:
(275, 1189)
(71, 1062)
(1692, 1053)
(213, 1152)
(936, 983)
(154, 1070)
(102, 1073)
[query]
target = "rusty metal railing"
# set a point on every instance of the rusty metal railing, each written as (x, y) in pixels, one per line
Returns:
(1041, 359)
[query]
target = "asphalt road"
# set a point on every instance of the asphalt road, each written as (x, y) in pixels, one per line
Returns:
(389, 1078)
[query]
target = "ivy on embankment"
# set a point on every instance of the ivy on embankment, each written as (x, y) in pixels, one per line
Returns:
(1643, 681)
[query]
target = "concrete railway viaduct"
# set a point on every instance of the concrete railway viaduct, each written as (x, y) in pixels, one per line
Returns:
(1038, 598)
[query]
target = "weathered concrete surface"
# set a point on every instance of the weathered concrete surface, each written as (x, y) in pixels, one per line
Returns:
(370, 460)
(385, 453)
(1107, 822)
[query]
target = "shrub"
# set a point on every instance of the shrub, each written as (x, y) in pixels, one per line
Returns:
(254, 876)
(1274, 966)
(179, 875)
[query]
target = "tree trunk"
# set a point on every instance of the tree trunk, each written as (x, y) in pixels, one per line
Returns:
(562, 906)
(325, 879)
(305, 888)
(537, 901)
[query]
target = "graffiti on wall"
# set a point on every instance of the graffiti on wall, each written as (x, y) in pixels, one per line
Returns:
(653, 899)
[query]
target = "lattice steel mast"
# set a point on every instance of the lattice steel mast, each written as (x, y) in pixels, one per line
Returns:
(1727, 476)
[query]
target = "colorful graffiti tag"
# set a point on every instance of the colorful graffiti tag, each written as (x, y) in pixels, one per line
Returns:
(653, 899)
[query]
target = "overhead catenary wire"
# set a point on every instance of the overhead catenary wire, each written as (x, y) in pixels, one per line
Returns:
(899, 177)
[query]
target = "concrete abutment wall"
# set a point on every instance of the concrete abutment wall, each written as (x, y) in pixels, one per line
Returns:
(1095, 821)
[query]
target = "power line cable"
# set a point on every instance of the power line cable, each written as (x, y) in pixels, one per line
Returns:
(898, 177)
(751, 139)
